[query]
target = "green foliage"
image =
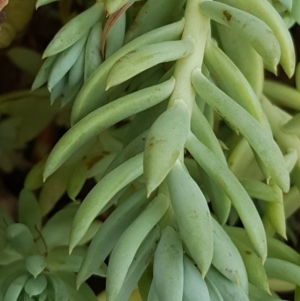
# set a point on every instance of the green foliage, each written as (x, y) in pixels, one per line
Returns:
(169, 113)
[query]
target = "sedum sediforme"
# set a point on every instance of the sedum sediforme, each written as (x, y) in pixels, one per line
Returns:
(204, 136)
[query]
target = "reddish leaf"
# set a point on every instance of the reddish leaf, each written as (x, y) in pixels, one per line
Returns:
(112, 19)
(3, 3)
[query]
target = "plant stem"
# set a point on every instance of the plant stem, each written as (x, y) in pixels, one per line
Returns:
(196, 28)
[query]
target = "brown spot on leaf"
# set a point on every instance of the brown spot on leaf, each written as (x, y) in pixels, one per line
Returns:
(248, 252)
(227, 15)
(229, 271)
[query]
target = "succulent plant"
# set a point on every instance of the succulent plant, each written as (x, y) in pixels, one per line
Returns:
(195, 155)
